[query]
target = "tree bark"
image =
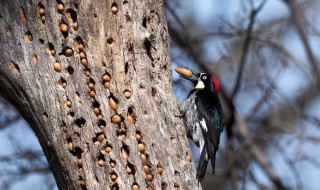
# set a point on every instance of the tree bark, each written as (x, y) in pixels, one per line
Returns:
(60, 64)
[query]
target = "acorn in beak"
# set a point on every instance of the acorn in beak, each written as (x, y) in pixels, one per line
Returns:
(187, 73)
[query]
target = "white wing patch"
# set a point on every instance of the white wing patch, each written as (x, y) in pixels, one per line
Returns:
(203, 124)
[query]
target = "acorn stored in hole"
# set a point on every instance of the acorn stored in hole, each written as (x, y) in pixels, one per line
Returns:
(68, 103)
(106, 78)
(138, 136)
(114, 9)
(60, 7)
(149, 177)
(144, 159)
(82, 55)
(84, 62)
(127, 94)
(92, 94)
(112, 164)
(160, 169)
(135, 187)
(130, 119)
(184, 71)
(113, 104)
(101, 137)
(80, 47)
(116, 119)
(108, 149)
(91, 86)
(57, 67)
(68, 52)
(113, 177)
(141, 147)
(101, 162)
(107, 85)
(146, 169)
(63, 27)
(124, 154)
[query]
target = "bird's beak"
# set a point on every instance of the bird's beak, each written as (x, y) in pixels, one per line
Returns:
(194, 81)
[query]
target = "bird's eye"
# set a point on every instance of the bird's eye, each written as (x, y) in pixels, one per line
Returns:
(204, 77)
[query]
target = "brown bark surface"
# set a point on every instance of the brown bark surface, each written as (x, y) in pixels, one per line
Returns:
(56, 58)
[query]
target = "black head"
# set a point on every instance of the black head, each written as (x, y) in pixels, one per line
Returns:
(204, 81)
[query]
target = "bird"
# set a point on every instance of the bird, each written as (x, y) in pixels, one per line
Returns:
(202, 115)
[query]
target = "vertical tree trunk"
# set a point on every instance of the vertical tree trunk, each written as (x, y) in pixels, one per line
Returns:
(60, 64)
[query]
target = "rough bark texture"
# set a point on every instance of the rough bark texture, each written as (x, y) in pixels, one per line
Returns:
(69, 109)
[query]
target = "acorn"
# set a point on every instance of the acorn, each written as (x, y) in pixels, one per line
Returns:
(149, 177)
(68, 52)
(84, 62)
(113, 104)
(82, 55)
(108, 149)
(130, 119)
(70, 146)
(138, 137)
(97, 143)
(189, 157)
(101, 162)
(57, 67)
(64, 85)
(92, 94)
(63, 27)
(124, 154)
(41, 11)
(146, 169)
(141, 147)
(144, 159)
(135, 187)
(184, 71)
(80, 47)
(79, 163)
(91, 86)
(68, 103)
(87, 73)
(64, 129)
(116, 119)
(100, 138)
(160, 169)
(127, 94)
(75, 26)
(114, 9)
(106, 78)
(113, 177)
(128, 170)
(107, 85)
(112, 164)
(60, 7)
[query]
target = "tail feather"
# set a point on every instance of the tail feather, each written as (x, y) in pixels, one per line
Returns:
(202, 166)
(212, 155)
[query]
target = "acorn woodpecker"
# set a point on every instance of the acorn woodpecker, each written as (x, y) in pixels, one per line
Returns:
(203, 117)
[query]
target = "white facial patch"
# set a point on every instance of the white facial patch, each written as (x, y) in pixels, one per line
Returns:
(200, 85)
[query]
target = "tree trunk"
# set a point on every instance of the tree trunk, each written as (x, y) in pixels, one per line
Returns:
(61, 64)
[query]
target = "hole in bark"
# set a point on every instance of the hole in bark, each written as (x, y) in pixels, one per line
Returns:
(15, 69)
(125, 151)
(87, 72)
(82, 183)
(188, 157)
(126, 67)
(128, 18)
(135, 186)
(63, 127)
(34, 58)
(69, 144)
(41, 9)
(154, 94)
(114, 8)
(77, 151)
(60, 6)
(71, 16)
(164, 185)
(69, 71)
(76, 5)
(80, 122)
(102, 123)
(28, 37)
(78, 96)
(101, 160)
(67, 51)
(62, 84)
(121, 133)
(144, 22)
(176, 172)
(22, 14)
(176, 186)
(68, 103)
(110, 41)
(115, 186)
(71, 114)
(45, 117)
(138, 136)
(50, 49)
(147, 45)
(95, 104)
(113, 177)
(97, 140)
(41, 40)
(64, 29)
(131, 169)
(112, 163)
